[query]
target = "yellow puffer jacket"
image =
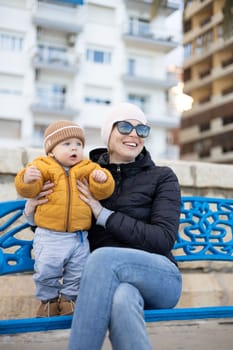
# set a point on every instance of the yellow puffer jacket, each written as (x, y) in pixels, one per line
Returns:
(65, 211)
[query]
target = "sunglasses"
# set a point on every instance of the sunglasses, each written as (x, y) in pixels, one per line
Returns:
(125, 128)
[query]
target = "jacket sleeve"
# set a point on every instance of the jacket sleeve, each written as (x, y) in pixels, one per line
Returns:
(27, 190)
(102, 190)
(159, 233)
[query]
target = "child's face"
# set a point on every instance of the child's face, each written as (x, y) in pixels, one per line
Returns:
(68, 152)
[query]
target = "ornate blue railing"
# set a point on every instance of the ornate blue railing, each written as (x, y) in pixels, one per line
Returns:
(206, 233)
(206, 229)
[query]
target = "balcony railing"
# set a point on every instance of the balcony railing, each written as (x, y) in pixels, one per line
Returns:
(54, 16)
(227, 90)
(148, 81)
(49, 57)
(227, 62)
(136, 28)
(205, 99)
(204, 73)
(164, 43)
(52, 99)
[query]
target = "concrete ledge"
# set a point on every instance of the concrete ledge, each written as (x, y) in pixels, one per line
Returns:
(199, 289)
(196, 178)
(17, 297)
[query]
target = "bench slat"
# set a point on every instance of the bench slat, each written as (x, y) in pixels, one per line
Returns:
(64, 322)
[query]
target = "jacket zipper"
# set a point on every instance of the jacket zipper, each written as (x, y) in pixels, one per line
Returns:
(118, 180)
(68, 209)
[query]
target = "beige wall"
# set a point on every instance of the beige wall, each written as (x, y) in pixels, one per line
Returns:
(196, 178)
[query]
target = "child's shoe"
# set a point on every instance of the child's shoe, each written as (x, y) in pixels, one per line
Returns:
(48, 308)
(66, 306)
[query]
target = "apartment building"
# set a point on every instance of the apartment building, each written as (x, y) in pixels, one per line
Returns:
(207, 129)
(72, 59)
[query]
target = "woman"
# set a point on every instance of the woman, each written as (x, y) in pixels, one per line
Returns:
(131, 266)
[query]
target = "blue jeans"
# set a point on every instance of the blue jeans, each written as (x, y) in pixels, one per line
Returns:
(116, 285)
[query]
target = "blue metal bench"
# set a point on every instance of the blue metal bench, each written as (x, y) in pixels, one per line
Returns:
(206, 233)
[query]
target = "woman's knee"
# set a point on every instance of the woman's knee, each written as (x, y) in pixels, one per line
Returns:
(99, 263)
(126, 298)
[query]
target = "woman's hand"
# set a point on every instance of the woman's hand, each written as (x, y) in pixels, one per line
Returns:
(32, 203)
(87, 197)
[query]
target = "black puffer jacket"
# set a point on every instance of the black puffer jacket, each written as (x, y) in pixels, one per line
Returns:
(146, 205)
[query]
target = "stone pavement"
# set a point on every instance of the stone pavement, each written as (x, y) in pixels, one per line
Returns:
(176, 335)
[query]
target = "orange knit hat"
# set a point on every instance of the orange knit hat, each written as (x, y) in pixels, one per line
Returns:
(59, 131)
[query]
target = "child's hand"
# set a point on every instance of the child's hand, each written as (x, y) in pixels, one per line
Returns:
(31, 174)
(99, 176)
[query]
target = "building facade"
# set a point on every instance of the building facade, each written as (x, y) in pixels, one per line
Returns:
(207, 129)
(67, 60)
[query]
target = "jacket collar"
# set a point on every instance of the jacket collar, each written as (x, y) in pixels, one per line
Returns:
(143, 160)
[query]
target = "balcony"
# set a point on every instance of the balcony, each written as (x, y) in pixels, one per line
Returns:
(161, 43)
(217, 73)
(227, 91)
(207, 51)
(54, 59)
(215, 101)
(139, 33)
(196, 7)
(169, 6)
(52, 100)
(227, 62)
(56, 17)
(152, 7)
(136, 79)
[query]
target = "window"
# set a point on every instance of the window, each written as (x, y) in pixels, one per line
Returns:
(131, 66)
(205, 148)
(100, 96)
(96, 100)
(52, 96)
(187, 74)
(227, 120)
(204, 41)
(139, 26)
(187, 50)
(204, 126)
(187, 26)
(98, 56)
(139, 100)
(205, 99)
(38, 135)
(52, 54)
(220, 31)
(227, 90)
(9, 91)
(11, 42)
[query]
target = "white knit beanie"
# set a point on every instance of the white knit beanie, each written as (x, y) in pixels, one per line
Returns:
(120, 112)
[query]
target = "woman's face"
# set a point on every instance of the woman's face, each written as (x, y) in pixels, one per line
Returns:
(125, 148)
